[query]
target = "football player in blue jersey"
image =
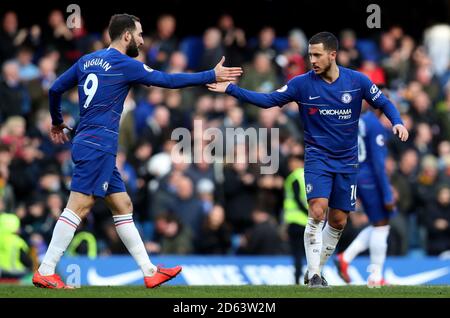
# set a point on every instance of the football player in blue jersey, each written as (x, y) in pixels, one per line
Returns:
(329, 99)
(375, 194)
(104, 79)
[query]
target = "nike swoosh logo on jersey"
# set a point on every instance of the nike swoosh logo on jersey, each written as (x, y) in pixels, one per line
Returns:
(315, 97)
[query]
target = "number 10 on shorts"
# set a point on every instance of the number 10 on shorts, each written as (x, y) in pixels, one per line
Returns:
(353, 193)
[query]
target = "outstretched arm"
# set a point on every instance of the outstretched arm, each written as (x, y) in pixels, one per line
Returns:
(148, 76)
(279, 98)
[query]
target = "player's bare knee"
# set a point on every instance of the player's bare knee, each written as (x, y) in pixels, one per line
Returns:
(338, 224)
(80, 209)
(125, 207)
(128, 206)
(317, 211)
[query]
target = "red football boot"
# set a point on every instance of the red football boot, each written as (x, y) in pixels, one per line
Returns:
(161, 276)
(342, 268)
(50, 281)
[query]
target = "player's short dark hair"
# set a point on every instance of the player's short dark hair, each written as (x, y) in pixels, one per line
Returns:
(329, 40)
(121, 23)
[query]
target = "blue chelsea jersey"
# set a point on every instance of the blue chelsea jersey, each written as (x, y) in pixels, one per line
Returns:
(330, 114)
(104, 79)
(372, 154)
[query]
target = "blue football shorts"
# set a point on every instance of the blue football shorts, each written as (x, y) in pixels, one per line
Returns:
(338, 188)
(95, 172)
(372, 201)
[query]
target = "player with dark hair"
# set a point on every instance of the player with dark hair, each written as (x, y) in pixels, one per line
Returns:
(329, 99)
(104, 79)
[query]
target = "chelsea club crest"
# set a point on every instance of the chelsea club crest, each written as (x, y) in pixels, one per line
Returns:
(346, 98)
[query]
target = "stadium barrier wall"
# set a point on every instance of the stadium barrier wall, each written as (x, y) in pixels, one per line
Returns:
(243, 270)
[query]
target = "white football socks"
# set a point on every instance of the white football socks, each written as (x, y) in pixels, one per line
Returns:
(378, 249)
(313, 245)
(359, 244)
(330, 238)
(62, 236)
(130, 237)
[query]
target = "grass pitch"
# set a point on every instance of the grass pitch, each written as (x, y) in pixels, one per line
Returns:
(16, 291)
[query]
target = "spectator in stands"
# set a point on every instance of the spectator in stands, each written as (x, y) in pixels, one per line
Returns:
(233, 40)
(139, 160)
(59, 37)
(213, 49)
(15, 261)
(39, 87)
(348, 47)
(292, 60)
(27, 70)
(187, 207)
(10, 36)
(23, 172)
(373, 71)
(263, 238)
(239, 195)
(14, 97)
(438, 222)
(7, 198)
(215, 233)
(423, 140)
(427, 185)
(421, 110)
(163, 42)
(260, 76)
(403, 182)
(265, 44)
(172, 236)
(443, 111)
(13, 134)
(205, 191)
(157, 128)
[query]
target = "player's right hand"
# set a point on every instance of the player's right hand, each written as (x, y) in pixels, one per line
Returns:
(225, 74)
(401, 131)
(58, 135)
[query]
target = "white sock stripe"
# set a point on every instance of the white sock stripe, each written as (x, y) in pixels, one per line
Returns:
(122, 216)
(69, 214)
(120, 220)
(124, 219)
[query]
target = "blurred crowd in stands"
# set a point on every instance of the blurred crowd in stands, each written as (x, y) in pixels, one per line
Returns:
(214, 208)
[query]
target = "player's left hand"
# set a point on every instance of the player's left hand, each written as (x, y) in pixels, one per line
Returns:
(225, 74)
(218, 87)
(401, 131)
(58, 135)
